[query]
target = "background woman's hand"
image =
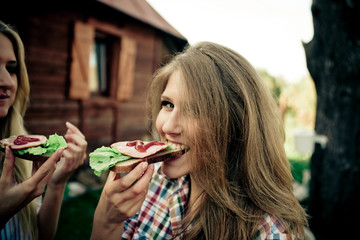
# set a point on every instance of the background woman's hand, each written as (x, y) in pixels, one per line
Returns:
(14, 196)
(120, 199)
(73, 156)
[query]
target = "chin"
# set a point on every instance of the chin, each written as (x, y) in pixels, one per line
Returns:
(3, 113)
(175, 168)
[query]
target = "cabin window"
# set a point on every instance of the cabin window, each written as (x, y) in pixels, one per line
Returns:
(99, 67)
(103, 63)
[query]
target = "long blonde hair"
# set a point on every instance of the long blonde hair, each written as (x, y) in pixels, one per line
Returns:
(238, 157)
(13, 124)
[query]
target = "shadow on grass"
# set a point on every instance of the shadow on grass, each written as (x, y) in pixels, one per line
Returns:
(76, 216)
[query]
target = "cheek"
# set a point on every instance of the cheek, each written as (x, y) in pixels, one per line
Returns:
(15, 86)
(14, 89)
(160, 122)
(16, 83)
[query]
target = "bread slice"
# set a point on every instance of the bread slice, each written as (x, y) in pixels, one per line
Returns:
(29, 157)
(128, 165)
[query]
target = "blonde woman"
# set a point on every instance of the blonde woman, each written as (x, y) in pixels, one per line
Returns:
(233, 183)
(23, 214)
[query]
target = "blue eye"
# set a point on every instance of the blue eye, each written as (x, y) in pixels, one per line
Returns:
(167, 104)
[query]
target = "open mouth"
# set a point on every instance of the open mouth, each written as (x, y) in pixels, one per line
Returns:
(4, 95)
(180, 146)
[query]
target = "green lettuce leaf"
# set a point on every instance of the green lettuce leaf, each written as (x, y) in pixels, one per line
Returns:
(51, 145)
(102, 159)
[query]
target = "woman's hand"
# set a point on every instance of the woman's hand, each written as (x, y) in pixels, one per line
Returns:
(14, 196)
(73, 156)
(120, 199)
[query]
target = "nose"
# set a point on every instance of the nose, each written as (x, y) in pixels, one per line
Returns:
(172, 125)
(6, 81)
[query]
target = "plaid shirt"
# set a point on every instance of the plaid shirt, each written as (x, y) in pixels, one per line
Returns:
(161, 214)
(271, 229)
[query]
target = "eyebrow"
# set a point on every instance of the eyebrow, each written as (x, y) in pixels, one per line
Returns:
(164, 97)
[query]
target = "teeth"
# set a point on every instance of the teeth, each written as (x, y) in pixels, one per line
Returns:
(183, 147)
(175, 145)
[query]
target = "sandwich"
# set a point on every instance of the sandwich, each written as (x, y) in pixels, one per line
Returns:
(122, 157)
(33, 147)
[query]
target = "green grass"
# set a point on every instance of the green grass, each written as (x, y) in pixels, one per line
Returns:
(76, 216)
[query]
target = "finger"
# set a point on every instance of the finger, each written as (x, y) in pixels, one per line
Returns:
(75, 153)
(109, 187)
(112, 183)
(135, 205)
(76, 139)
(48, 166)
(55, 157)
(68, 155)
(142, 183)
(146, 177)
(131, 204)
(72, 160)
(37, 182)
(112, 176)
(132, 176)
(7, 174)
(72, 147)
(74, 129)
(133, 197)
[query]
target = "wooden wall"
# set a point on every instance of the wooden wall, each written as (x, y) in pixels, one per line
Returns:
(47, 37)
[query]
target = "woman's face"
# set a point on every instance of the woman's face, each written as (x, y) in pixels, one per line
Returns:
(8, 77)
(174, 128)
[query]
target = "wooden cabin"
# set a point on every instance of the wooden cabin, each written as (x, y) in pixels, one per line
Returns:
(90, 63)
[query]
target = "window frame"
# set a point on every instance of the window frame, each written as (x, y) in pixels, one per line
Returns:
(122, 61)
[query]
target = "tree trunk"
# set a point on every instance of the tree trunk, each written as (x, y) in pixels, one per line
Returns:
(333, 60)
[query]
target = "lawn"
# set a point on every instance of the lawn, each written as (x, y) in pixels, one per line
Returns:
(75, 222)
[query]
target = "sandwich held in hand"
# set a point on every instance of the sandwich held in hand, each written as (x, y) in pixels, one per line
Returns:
(122, 157)
(33, 147)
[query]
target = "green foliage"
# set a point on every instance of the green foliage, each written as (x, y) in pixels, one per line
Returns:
(276, 85)
(298, 101)
(297, 168)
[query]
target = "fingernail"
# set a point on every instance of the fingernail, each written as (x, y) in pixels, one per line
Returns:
(151, 166)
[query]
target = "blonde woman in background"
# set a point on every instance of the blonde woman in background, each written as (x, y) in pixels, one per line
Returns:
(23, 212)
(233, 183)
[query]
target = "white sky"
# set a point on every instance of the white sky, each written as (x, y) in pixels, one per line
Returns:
(269, 33)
